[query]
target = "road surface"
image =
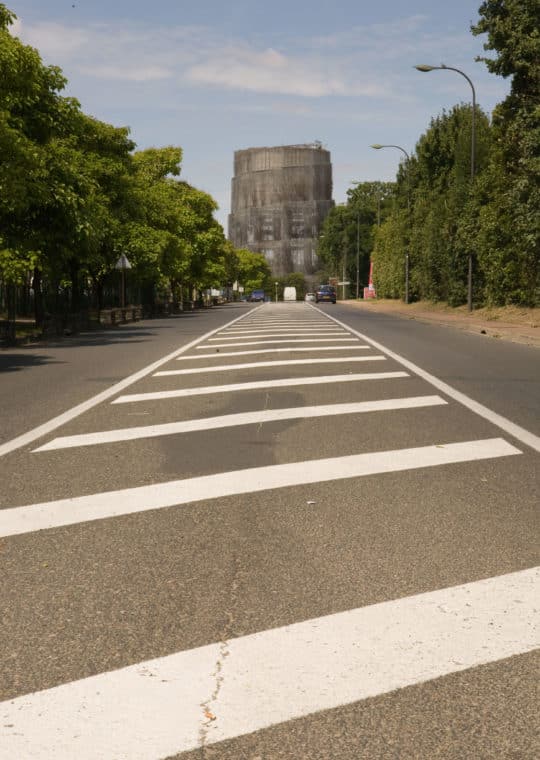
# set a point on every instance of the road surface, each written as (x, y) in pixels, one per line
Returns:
(281, 531)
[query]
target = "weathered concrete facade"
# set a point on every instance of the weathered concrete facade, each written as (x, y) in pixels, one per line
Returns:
(280, 198)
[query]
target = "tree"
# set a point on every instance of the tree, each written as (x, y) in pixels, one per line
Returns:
(252, 270)
(509, 229)
(348, 232)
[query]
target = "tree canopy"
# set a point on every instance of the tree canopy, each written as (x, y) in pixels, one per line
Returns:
(75, 194)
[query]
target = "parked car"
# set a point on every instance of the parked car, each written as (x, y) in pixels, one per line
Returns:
(257, 295)
(309, 297)
(325, 293)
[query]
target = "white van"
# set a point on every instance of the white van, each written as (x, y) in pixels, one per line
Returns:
(289, 294)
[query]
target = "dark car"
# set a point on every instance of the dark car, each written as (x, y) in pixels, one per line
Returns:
(325, 293)
(257, 295)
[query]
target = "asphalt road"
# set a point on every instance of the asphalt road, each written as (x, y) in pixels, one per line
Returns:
(255, 572)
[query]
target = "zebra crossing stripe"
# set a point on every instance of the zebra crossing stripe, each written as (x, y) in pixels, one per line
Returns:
(156, 709)
(292, 349)
(257, 385)
(256, 365)
(278, 340)
(99, 506)
(231, 420)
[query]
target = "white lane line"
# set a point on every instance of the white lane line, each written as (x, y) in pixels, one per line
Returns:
(293, 349)
(252, 365)
(53, 514)
(70, 414)
(518, 432)
(283, 328)
(256, 385)
(153, 709)
(278, 340)
(233, 420)
(279, 334)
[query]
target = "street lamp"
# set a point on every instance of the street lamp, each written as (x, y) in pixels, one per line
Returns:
(378, 146)
(357, 249)
(425, 68)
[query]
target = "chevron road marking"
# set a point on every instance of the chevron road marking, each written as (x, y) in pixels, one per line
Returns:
(257, 385)
(99, 506)
(156, 709)
(246, 418)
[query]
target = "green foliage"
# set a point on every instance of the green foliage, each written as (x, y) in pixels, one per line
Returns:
(252, 271)
(496, 218)
(74, 196)
(508, 234)
(348, 232)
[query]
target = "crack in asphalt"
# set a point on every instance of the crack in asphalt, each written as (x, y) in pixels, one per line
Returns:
(208, 706)
(265, 407)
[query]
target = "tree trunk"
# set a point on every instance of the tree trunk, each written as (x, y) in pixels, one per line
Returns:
(39, 308)
(75, 289)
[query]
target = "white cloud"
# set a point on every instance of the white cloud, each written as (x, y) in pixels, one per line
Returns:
(53, 41)
(267, 71)
(371, 62)
(127, 73)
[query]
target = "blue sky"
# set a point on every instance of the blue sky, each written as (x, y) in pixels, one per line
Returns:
(215, 77)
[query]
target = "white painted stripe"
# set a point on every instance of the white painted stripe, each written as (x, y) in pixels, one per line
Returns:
(283, 328)
(278, 340)
(281, 333)
(61, 419)
(256, 385)
(53, 514)
(292, 349)
(233, 420)
(518, 432)
(251, 365)
(155, 709)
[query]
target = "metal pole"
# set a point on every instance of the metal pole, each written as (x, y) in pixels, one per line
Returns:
(357, 255)
(122, 291)
(473, 171)
(377, 146)
(473, 157)
(344, 271)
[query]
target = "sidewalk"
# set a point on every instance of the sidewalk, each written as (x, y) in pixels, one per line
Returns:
(519, 325)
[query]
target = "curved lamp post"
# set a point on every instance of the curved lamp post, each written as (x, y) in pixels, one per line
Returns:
(378, 146)
(425, 68)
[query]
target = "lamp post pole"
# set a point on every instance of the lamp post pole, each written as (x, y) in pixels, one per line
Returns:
(275, 283)
(357, 255)
(378, 146)
(425, 68)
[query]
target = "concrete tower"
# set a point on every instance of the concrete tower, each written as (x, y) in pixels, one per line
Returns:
(280, 197)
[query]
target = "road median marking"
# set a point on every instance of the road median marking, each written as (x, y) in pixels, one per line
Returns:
(232, 420)
(75, 411)
(152, 709)
(256, 365)
(287, 382)
(128, 501)
(518, 432)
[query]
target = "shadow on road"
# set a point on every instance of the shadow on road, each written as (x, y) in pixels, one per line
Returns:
(16, 362)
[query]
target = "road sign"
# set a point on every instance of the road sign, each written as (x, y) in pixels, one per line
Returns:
(123, 262)
(344, 283)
